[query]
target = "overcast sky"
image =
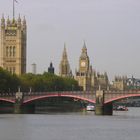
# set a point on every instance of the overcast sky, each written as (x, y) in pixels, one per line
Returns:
(110, 28)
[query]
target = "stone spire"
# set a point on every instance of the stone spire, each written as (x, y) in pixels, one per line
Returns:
(84, 51)
(64, 64)
(84, 46)
(64, 57)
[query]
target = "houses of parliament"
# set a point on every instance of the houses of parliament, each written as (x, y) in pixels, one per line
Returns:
(13, 36)
(86, 76)
(88, 79)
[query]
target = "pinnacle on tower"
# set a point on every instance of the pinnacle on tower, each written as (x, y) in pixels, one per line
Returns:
(2, 20)
(84, 46)
(84, 49)
(64, 52)
(84, 54)
(8, 21)
(19, 21)
(24, 20)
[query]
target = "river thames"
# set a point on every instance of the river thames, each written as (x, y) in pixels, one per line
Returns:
(123, 125)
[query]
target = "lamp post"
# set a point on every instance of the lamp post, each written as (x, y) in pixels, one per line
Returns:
(30, 89)
(72, 87)
(19, 89)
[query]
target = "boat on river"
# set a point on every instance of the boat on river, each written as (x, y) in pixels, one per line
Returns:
(120, 108)
(90, 107)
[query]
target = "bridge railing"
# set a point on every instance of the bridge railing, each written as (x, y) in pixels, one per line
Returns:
(58, 92)
(82, 93)
(7, 94)
(123, 91)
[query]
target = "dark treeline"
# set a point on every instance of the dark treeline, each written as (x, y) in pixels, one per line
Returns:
(39, 82)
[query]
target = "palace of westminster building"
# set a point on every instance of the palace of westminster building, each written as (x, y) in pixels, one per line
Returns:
(13, 58)
(13, 45)
(88, 79)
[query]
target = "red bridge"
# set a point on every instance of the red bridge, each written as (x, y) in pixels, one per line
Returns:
(108, 96)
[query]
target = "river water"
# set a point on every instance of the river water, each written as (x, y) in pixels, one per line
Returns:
(71, 126)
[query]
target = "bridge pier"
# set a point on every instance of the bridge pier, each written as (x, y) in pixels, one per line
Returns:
(108, 109)
(100, 107)
(18, 103)
(17, 108)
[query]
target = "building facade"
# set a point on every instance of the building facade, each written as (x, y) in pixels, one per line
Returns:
(119, 83)
(13, 35)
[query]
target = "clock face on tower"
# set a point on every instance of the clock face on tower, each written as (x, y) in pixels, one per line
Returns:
(83, 64)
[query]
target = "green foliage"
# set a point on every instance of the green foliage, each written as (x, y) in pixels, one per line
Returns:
(47, 82)
(36, 83)
(8, 82)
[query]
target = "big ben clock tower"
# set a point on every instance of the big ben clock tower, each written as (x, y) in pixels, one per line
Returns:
(83, 74)
(87, 78)
(84, 60)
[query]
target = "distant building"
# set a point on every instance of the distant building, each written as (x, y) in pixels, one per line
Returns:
(51, 68)
(133, 83)
(102, 81)
(64, 67)
(119, 83)
(13, 45)
(34, 68)
(87, 77)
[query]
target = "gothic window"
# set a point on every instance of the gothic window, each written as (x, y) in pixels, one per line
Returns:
(7, 51)
(14, 51)
(10, 54)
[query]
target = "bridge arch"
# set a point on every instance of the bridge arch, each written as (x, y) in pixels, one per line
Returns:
(121, 97)
(48, 96)
(7, 100)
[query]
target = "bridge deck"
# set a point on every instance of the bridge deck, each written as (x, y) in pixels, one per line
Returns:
(109, 96)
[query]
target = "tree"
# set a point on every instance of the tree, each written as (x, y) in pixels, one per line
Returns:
(8, 82)
(37, 83)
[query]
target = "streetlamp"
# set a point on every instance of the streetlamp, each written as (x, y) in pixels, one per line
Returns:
(72, 87)
(19, 89)
(30, 89)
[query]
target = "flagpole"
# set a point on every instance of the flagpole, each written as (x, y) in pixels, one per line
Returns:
(13, 9)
